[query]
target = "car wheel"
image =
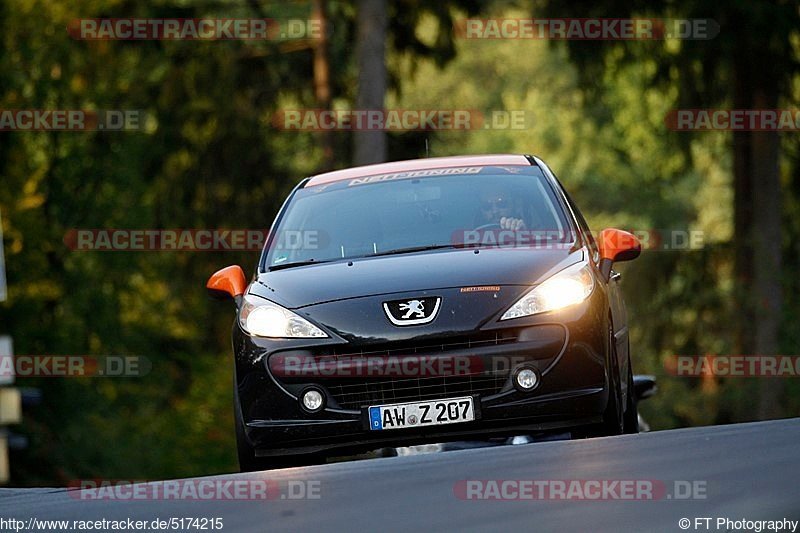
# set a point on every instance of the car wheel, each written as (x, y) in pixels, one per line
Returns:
(631, 417)
(248, 462)
(613, 415)
(612, 423)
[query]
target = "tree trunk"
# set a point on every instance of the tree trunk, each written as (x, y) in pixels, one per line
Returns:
(370, 146)
(767, 285)
(744, 342)
(757, 229)
(322, 80)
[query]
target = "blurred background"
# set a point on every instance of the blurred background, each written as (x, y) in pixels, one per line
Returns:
(208, 155)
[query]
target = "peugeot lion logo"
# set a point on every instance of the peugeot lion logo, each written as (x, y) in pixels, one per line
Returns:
(412, 312)
(414, 307)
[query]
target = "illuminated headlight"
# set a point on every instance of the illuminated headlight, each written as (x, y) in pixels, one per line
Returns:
(262, 318)
(570, 286)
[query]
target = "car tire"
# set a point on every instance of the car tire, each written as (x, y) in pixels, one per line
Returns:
(248, 462)
(631, 417)
(613, 423)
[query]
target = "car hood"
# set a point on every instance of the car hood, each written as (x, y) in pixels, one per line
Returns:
(314, 284)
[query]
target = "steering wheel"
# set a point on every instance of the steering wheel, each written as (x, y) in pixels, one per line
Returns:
(487, 226)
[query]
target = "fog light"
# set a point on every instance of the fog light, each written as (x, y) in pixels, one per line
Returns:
(313, 400)
(527, 379)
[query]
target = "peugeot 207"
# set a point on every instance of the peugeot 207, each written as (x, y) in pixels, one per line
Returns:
(425, 301)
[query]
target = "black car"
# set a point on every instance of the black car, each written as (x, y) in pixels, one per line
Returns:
(425, 301)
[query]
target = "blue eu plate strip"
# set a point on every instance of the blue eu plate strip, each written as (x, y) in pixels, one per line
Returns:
(375, 418)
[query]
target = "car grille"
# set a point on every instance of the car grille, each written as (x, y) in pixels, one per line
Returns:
(355, 393)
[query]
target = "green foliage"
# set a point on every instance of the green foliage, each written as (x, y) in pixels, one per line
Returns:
(613, 152)
(209, 158)
(206, 159)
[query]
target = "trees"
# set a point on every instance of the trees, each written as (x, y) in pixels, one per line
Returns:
(382, 28)
(370, 146)
(748, 65)
(207, 157)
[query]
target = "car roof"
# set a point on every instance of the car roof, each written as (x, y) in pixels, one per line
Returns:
(418, 164)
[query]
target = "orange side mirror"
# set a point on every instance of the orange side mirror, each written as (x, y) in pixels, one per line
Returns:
(617, 245)
(227, 283)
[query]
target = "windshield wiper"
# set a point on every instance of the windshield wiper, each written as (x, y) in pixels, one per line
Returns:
(413, 249)
(281, 266)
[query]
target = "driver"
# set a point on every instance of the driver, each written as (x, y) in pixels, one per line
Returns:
(497, 209)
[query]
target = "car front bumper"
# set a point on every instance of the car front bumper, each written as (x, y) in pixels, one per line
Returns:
(569, 350)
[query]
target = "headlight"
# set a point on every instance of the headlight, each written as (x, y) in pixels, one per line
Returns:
(267, 319)
(570, 286)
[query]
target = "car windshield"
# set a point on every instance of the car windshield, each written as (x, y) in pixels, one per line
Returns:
(406, 212)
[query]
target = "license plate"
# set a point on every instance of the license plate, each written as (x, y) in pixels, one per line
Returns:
(421, 414)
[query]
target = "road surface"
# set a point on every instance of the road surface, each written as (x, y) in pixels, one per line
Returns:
(740, 472)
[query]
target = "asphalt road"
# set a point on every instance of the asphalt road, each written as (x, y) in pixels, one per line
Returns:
(744, 471)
